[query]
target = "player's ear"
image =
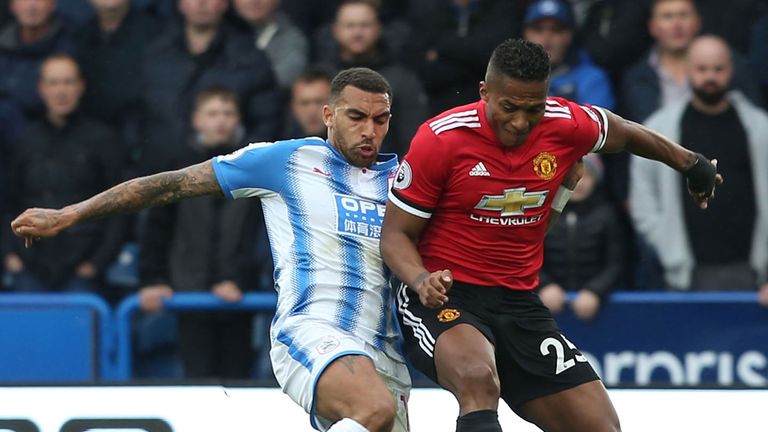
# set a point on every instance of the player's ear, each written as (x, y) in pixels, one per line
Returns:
(327, 115)
(484, 91)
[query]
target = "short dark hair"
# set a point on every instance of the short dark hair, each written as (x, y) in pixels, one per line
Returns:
(360, 77)
(216, 92)
(314, 74)
(521, 60)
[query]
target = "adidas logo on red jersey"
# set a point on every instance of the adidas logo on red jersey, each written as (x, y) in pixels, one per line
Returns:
(479, 171)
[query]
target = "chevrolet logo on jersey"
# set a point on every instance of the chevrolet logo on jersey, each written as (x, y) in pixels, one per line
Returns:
(514, 201)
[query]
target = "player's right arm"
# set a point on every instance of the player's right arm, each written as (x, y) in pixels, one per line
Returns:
(399, 237)
(143, 192)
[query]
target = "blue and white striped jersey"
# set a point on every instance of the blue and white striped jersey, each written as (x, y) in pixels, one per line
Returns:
(323, 218)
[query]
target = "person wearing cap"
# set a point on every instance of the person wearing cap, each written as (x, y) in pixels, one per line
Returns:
(551, 24)
(583, 251)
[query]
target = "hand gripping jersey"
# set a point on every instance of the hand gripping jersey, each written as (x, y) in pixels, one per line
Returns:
(323, 218)
(488, 204)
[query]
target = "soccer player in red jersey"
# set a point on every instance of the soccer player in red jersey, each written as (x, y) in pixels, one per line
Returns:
(464, 232)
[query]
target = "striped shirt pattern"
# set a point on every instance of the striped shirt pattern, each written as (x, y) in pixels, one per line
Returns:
(323, 217)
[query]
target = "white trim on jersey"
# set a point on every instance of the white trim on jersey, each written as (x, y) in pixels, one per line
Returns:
(557, 115)
(420, 331)
(468, 119)
(407, 208)
(564, 110)
(457, 124)
(602, 125)
(555, 110)
(437, 123)
(251, 192)
(603, 130)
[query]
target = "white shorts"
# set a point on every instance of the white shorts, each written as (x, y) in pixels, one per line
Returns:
(305, 347)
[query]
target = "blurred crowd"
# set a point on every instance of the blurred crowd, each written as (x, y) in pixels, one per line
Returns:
(93, 92)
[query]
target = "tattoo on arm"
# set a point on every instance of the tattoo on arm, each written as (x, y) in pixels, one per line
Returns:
(151, 191)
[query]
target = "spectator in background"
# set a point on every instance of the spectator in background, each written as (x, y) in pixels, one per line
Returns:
(734, 21)
(357, 33)
(274, 33)
(201, 52)
(11, 122)
(60, 158)
(114, 40)
(758, 55)
(550, 23)
(36, 33)
(204, 245)
(661, 77)
(725, 247)
(616, 34)
(583, 251)
(309, 92)
(451, 43)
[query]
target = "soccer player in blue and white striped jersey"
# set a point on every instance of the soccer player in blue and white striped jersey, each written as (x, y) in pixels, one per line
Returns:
(334, 339)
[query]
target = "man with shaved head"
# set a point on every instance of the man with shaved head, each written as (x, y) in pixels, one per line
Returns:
(727, 246)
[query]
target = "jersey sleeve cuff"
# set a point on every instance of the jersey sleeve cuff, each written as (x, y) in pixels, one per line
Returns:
(225, 189)
(603, 135)
(407, 207)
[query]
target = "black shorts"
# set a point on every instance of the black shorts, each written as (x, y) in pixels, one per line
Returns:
(533, 358)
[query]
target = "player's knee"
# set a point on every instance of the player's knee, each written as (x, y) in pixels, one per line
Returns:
(477, 381)
(378, 413)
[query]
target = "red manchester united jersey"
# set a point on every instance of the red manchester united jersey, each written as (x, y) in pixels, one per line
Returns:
(488, 204)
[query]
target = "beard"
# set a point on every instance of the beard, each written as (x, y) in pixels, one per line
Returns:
(710, 93)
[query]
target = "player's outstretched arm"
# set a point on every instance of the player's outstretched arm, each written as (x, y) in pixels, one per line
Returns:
(637, 139)
(399, 235)
(135, 194)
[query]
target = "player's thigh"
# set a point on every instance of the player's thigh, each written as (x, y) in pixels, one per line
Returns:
(458, 328)
(348, 385)
(534, 358)
(464, 358)
(584, 408)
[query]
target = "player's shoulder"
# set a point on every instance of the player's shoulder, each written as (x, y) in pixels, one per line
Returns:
(564, 114)
(449, 123)
(275, 150)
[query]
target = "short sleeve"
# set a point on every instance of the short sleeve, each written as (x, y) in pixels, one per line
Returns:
(421, 176)
(591, 127)
(256, 170)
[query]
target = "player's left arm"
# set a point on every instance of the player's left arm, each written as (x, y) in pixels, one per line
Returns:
(701, 173)
(564, 192)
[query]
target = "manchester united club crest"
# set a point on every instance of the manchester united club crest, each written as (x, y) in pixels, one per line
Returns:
(448, 315)
(545, 165)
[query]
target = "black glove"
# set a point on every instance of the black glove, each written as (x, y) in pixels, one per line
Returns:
(701, 176)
